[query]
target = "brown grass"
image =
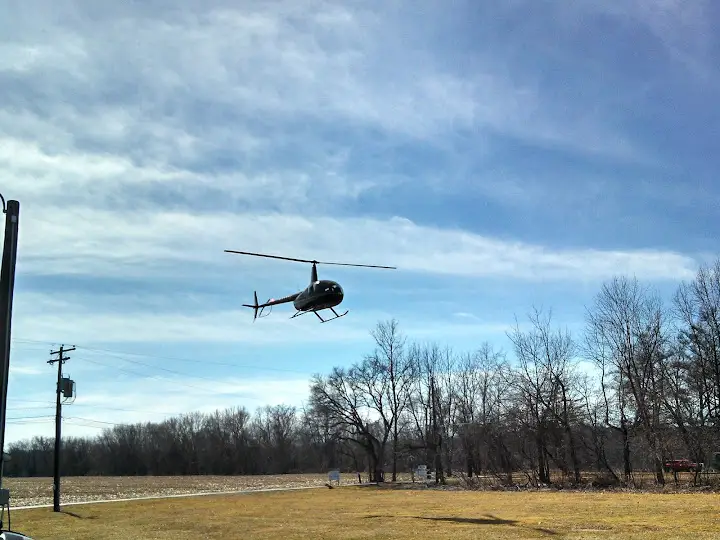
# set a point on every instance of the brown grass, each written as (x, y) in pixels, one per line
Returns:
(370, 512)
(35, 491)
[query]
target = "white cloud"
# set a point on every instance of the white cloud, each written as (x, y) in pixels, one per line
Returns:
(92, 179)
(165, 243)
(179, 86)
(88, 318)
(21, 370)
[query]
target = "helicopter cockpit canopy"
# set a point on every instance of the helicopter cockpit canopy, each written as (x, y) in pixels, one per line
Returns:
(327, 286)
(336, 288)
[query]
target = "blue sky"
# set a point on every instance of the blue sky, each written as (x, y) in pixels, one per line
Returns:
(501, 155)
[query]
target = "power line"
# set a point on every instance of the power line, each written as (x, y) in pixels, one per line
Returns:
(93, 420)
(212, 390)
(171, 358)
(157, 377)
(122, 357)
(173, 371)
(102, 407)
(29, 417)
(36, 407)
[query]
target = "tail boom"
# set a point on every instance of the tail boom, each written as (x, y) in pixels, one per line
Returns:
(271, 302)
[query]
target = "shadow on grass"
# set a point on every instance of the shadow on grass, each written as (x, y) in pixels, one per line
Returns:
(489, 520)
(78, 516)
(486, 520)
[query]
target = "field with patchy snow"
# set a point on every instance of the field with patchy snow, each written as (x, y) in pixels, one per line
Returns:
(37, 491)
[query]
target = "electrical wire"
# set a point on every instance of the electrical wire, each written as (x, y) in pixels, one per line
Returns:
(171, 358)
(119, 409)
(29, 417)
(105, 353)
(146, 376)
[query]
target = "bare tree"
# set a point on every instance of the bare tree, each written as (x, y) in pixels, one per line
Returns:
(626, 331)
(545, 378)
(594, 399)
(615, 408)
(420, 407)
(693, 374)
(390, 357)
(349, 397)
(431, 405)
(275, 430)
(478, 402)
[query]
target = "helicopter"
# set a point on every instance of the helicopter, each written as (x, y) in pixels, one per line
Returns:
(317, 296)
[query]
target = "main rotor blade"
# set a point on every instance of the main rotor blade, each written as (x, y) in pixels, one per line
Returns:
(268, 256)
(308, 260)
(361, 265)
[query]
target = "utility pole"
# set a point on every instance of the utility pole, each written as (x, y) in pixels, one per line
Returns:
(436, 449)
(11, 209)
(7, 286)
(64, 386)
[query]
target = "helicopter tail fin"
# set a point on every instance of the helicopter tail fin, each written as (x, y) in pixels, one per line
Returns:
(255, 306)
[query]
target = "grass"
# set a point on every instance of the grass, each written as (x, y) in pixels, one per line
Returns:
(377, 513)
(34, 491)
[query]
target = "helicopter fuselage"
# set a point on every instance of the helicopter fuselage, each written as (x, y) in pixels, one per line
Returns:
(322, 294)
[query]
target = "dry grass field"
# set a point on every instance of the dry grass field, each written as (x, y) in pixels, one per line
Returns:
(36, 491)
(369, 512)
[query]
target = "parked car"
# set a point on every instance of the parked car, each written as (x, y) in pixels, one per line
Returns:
(681, 465)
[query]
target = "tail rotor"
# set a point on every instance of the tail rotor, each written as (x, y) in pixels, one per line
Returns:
(261, 313)
(255, 306)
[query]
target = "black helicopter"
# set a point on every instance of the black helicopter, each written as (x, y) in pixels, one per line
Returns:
(318, 295)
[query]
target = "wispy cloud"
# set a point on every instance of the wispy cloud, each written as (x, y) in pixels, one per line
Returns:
(89, 319)
(25, 370)
(222, 84)
(684, 29)
(97, 243)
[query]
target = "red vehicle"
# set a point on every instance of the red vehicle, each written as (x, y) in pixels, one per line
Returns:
(681, 465)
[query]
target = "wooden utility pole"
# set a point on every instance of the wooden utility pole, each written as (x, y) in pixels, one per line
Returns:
(436, 436)
(58, 421)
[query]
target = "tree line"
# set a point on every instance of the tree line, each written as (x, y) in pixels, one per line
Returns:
(640, 385)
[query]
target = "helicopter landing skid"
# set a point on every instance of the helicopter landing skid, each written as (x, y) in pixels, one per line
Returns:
(337, 316)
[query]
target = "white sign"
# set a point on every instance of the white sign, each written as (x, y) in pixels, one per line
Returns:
(424, 475)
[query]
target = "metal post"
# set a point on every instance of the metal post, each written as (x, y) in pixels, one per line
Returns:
(7, 286)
